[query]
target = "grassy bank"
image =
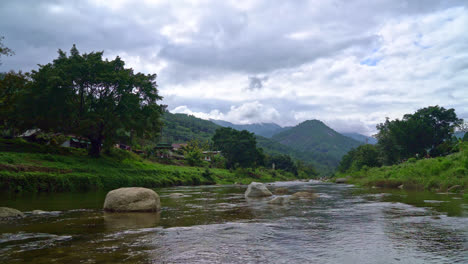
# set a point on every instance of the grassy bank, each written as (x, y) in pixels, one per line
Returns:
(27, 167)
(435, 174)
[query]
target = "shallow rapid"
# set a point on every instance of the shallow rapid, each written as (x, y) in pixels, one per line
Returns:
(217, 224)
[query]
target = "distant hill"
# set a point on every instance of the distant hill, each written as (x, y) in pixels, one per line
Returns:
(361, 138)
(311, 141)
(314, 136)
(180, 128)
(262, 129)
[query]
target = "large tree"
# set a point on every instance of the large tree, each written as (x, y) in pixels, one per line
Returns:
(238, 147)
(416, 133)
(12, 88)
(85, 95)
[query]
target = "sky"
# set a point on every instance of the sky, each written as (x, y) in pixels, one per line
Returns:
(349, 63)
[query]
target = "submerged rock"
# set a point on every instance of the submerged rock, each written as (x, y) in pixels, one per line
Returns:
(133, 199)
(281, 191)
(304, 195)
(6, 212)
(176, 195)
(281, 200)
(131, 220)
(257, 189)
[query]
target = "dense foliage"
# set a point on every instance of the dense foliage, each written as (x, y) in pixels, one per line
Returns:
(282, 162)
(418, 134)
(238, 147)
(98, 99)
(12, 90)
(180, 128)
(355, 159)
(426, 133)
(436, 174)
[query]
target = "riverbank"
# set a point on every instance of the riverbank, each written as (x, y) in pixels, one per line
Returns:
(449, 173)
(28, 167)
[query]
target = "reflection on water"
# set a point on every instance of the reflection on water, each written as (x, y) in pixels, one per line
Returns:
(216, 224)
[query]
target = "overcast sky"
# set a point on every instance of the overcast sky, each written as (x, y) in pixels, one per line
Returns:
(347, 63)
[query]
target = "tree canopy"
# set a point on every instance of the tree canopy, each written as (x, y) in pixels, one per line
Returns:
(94, 98)
(238, 147)
(416, 133)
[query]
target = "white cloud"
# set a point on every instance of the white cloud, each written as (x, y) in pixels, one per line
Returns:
(348, 63)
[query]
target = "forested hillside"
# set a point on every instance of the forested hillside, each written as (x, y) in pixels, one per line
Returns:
(311, 142)
(179, 128)
(361, 138)
(262, 129)
(315, 137)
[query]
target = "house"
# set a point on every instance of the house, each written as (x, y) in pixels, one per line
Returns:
(178, 146)
(76, 142)
(163, 150)
(209, 154)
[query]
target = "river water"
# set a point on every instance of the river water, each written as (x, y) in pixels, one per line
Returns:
(216, 224)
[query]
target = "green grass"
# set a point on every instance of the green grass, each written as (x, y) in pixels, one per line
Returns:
(436, 174)
(26, 167)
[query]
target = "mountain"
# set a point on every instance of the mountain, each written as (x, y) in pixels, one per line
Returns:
(180, 128)
(361, 138)
(311, 141)
(262, 129)
(314, 136)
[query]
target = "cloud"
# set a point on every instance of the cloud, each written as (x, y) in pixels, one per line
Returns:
(348, 63)
(256, 82)
(243, 114)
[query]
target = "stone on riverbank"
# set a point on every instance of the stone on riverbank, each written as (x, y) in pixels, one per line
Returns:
(257, 189)
(6, 212)
(304, 195)
(133, 199)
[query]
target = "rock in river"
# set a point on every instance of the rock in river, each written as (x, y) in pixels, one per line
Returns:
(281, 191)
(176, 195)
(341, 180)
(133, 199)
(257, 189)
(280, 200)
(6, 212)
(304, 195)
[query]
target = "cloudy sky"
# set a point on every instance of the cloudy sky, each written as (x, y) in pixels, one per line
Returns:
(349, 63)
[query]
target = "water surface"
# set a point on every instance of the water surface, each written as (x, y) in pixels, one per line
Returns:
(216, 224)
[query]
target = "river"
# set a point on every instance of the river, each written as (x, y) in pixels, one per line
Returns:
(216, 224)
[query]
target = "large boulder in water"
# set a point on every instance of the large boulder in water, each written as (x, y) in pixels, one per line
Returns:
(257, 189)
(6, 212)
(304, 195)
(133, 199)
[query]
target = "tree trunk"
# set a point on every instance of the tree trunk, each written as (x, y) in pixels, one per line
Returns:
(96, 146)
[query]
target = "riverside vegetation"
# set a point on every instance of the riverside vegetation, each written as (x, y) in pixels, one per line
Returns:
(30, 167)
(417, 152)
